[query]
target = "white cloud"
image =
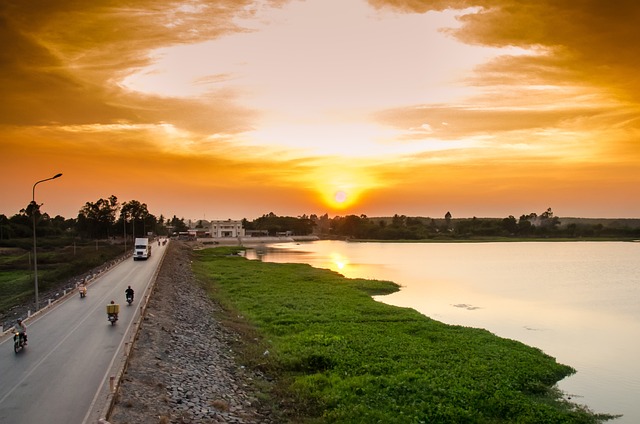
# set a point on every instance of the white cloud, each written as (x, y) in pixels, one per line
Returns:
(316, 69)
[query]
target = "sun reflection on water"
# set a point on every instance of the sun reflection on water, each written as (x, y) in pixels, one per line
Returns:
(338, 261)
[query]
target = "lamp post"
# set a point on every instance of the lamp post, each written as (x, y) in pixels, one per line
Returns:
(35, 254)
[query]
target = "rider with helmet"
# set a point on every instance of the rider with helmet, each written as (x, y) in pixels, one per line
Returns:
(112, 310)
(129, 293)
(21, 328)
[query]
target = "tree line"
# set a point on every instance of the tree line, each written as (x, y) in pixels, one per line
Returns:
(102, 219)
(532, 225)
(401, 227)
(108, 218)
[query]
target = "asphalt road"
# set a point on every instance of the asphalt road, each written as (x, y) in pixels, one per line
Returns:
(58, 377)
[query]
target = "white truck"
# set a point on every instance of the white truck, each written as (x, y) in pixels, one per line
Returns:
(142, 249)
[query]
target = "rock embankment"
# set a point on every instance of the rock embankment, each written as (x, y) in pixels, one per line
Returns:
(182, 367)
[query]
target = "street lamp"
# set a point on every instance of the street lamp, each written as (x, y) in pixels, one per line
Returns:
(35, 254)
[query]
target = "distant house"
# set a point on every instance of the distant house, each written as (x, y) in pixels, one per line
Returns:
(198, 232)
(228, 228)
(185, 235)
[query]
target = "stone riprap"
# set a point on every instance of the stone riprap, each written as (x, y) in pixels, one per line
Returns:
(182, 367)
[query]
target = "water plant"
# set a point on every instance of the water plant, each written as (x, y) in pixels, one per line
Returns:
(338, 356)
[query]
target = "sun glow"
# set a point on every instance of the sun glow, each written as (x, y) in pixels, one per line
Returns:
(339, 199)
(338, 261)
(340, 196)
(342, 191)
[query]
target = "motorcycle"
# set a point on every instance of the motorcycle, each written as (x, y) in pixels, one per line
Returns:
(83, 291)
(112, 313)
(18, 342)
(129, 300)
(112, 318)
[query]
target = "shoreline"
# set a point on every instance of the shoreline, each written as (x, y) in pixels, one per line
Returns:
(257, 241)
(264, 295)
(250, 241)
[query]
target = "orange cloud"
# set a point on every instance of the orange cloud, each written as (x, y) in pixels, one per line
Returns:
(240, 108)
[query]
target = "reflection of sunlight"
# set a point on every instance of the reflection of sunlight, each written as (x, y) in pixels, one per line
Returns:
(338, 261)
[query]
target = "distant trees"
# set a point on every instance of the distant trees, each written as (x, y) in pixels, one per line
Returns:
(96, 219)
(362, 227)
(104, 218)
(178, 225)
(400, 227)
(274, 224)
(138, 216)
(107, 218)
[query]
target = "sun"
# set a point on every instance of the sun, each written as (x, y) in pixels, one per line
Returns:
(341, 188)
(340, 196)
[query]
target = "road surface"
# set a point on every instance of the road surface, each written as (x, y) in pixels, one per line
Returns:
(58, 377)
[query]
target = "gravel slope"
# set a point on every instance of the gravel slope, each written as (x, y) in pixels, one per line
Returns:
(182, 367)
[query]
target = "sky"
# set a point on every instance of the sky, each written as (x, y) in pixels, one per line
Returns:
(233, 109)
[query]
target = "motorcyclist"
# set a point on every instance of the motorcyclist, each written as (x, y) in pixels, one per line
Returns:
(21, 328)
(82, 288)
(129, 293)
(114, 314)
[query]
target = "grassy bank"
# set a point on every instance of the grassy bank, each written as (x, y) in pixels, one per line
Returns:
(339, 356)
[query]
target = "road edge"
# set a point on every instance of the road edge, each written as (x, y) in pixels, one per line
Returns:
(109, 392)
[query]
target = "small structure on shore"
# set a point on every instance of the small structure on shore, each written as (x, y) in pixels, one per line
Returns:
(228, 228)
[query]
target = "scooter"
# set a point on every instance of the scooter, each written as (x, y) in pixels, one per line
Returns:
(112, 318)
(18, 342)
(112, 313)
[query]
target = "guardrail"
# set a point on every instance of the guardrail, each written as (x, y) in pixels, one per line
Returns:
(67, 292)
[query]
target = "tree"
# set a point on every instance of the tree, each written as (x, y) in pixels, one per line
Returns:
(137, 213)
(547, 220)
(96, 219)
(510, 225)
(350, 225)
(178, 225)
(398, 220)
(274, 224)
(160, 227)
(5, 229)
(524, 225)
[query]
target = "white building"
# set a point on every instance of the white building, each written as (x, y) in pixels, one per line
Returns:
(227, 228)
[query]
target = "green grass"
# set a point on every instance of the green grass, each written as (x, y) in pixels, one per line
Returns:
(338, 356)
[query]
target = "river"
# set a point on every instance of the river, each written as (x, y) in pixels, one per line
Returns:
(577, 301)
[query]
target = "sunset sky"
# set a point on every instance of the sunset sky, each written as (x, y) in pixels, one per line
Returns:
(233, 109)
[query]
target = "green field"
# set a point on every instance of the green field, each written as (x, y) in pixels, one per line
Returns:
(338, 356)
(57, 262)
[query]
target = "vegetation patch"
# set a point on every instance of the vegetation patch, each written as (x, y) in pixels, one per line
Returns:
(58, 261)
(339, 356)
